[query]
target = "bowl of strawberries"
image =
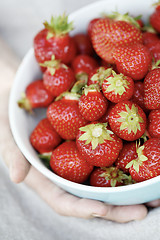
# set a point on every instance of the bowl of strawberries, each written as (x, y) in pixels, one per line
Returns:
(84, 108)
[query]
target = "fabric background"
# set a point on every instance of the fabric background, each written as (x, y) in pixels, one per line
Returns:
(23, 215)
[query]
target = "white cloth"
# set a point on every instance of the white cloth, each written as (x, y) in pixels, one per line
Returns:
(23, 215)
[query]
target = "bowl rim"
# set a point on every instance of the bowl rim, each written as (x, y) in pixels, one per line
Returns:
(42, 168)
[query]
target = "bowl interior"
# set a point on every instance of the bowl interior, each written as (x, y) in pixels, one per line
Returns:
(22, 123)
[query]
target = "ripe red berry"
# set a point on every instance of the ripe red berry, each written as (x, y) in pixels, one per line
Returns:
(152, 89)
(98, 145)
(65, 117)
(44, 138)
(54, 39)
(92, 104)
(127, 120)
(67, 163)
(133, 61)
(35, 96)
(117, 87)
(58, 77)
(108, 34)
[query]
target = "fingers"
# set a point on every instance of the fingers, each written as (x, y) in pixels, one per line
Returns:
(124, 214)
(62, 202)
(68, 205)
(155, 203)
(18, 167)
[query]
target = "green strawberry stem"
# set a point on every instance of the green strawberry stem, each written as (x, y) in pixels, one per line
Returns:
(149, 28)
(95, 134)
(69, 96)
(139, 160)
(45, 157)
(124, 17)
(82, 76)
(91, 88)
(156, 3)
(78, 86)
(101, 74)
(52, 65)
(115, 175)
(117, 83)
(155, 64)
(58, 26)
(25, 103)
(130, 119)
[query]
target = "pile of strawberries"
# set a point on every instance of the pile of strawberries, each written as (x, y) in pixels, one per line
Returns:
(101, 91)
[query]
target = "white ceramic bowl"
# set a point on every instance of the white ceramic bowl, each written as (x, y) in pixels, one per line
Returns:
(22, 124)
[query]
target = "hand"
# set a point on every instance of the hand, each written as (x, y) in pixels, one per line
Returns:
(19, 168)
(68, 205)
(61, 201)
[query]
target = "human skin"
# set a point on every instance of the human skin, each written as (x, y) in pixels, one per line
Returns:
(20, 169)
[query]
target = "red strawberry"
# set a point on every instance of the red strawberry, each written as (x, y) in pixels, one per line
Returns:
(105, 117)
(154, 123)
(117, 87)
(98, 145)
(67, 163)
(108, 177)
(149, 37)
(44, 138)
(154, 48)
(127, 120)
(152, 89)
(108, 34)
(147, 164)
(55, 40)
(83, 65)
(83, 44)
(92, 104)
(127, 154)
(90, 26)
(58, 77)
(65, 117)
(138, 95)
(133, 61)
(155, 17)
(35, 96)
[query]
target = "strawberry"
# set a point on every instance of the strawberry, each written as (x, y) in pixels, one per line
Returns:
(90, 26)
(108, 177)
(127, 154)
(67, 163)
(98, 145)
(44, 138)
(65, 117)
(92, 104)
(154, 123)
(147, 164)
(149, 37)
(54, 39)
(105, 117)
(133, 61)
(35, 96)
(138, 95)
(108, 34)
(154, 48)
(152, 89)
(83, 65)
(127, 120)
(117, 87)
(83, 44)
(58, 77)
(155, 17)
